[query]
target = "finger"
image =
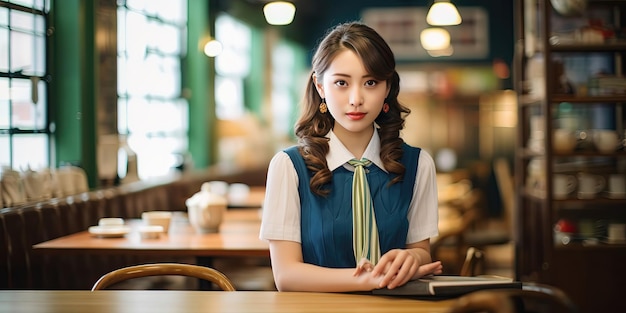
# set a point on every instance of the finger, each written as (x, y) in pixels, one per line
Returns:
(406, 273)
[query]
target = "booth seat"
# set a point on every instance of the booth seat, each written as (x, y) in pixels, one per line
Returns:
(23, 226)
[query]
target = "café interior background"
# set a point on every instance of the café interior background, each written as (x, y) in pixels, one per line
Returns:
(119, 80)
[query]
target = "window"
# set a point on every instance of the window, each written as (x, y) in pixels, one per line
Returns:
(24, 127)
(152, 114)
(231, 66)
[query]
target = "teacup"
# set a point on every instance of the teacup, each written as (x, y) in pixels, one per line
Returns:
(563, 185)
(616, 232)
(589, 185)
(605, 140)
(238, 192)
(564, 140)
(158, 218)
(617, 185)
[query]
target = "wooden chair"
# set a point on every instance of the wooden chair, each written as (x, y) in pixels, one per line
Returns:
(474, 259)
(160, 269)
(452, 229)
(533, 297)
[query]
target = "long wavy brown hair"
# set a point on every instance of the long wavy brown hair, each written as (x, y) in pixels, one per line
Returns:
(312, 126)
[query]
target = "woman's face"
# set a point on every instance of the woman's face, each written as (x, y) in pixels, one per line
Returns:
(354, 97)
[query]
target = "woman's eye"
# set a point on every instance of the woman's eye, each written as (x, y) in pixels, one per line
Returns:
(341, 83)
(371, 83)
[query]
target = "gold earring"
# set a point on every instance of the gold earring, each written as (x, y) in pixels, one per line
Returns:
(323, 106)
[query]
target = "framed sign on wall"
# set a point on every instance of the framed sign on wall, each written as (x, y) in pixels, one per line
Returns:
(401, 28)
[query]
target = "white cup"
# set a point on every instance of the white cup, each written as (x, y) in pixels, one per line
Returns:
(111, 221)
(617, 183)
(605, 140)
(563, 185)
(616, 232)
(564, 140)
(158, 218)
(207, 218)
(238, 192)
(218, 187)
(589, 185)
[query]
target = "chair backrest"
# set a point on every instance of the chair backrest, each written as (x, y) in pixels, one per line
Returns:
(533, 297)
(160, 269)
(474, 259)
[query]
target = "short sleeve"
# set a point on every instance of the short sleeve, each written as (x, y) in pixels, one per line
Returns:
(281, 207)
(423, 212)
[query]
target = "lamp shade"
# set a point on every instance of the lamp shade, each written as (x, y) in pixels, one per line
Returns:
(279, 12)
(443, 13)
(435, 38)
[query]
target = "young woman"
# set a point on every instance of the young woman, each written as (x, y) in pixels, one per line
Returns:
(351, 112)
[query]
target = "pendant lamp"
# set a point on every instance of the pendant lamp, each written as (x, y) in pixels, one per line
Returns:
(443, 13)
(279, 12)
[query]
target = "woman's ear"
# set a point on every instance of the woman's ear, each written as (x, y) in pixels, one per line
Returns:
(318, 86)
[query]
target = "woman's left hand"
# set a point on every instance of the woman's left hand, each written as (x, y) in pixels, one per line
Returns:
(399, 266)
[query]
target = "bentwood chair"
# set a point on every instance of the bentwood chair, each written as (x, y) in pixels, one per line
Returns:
(160, 269)
(474, 259)
(533, 297)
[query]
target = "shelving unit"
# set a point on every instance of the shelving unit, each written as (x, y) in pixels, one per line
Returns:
(556, 70)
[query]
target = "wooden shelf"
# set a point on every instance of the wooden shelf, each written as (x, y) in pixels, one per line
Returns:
(588, 99)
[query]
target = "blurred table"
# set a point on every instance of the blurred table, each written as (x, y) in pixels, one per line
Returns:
(130, 301)
(238, 236)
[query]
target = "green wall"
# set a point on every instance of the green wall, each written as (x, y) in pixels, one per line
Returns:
(198, 78)
(73, 94)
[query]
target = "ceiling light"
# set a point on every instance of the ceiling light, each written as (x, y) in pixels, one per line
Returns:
(213, 48)
(279, 12)
(435, 38)
(443, 13)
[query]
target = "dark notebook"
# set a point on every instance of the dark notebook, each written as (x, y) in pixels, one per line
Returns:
(449, 285)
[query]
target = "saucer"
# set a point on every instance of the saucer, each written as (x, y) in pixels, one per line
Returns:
(616, 195)
(586, 195)
(109, 231)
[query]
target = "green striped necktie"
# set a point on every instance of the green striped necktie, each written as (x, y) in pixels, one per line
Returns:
(364, 230)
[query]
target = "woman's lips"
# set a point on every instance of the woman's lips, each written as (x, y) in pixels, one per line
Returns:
(355, 115)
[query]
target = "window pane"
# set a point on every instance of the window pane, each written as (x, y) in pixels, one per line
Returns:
(4, 17)
(4, 103)
(229, 97)
(35, 4)
(171, 11)
(27, 53)
(4, 51)
(166, 38)
(5, 150)
(122, 116)
(26, 113)
(30, 151)
(157, 155)
(136, 40)
(150, 108)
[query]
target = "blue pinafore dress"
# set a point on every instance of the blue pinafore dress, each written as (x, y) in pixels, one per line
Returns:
(326, 222)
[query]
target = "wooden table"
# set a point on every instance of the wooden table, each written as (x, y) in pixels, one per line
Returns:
(112, 301)
(238, 236)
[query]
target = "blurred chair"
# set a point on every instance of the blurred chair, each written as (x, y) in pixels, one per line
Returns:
(532, 298)
(456, 219)
(474, 259)
(161, 269)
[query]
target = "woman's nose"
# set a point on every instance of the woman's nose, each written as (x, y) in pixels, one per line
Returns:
(356, 97)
